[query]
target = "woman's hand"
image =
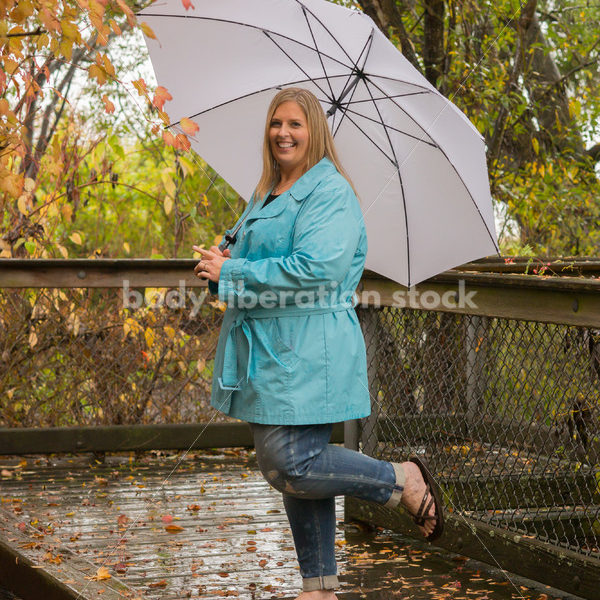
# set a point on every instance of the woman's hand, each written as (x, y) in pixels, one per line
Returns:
(212, 261)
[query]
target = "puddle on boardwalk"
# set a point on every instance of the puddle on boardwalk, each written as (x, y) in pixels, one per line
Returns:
(383, 565)
(206, 525)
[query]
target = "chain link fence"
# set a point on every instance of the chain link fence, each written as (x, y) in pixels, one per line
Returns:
(506, 413)
(506, 410)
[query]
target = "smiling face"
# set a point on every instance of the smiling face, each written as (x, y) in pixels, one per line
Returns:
(289, 138)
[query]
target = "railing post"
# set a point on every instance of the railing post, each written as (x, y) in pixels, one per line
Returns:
(368, 426)
(476, 348)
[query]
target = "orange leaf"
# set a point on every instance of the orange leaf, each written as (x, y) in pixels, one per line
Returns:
(108, 105)
(169, 138)
(188, 126)
(147, 30)
(98, 73)
(187, 4)
(127, 12)
(159, 584)
(161, 95)
(101, 574)
(140, 86)
(182, 143)
(174, 528)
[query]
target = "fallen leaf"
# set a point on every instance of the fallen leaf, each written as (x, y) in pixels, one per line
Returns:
(167, 519)
(101, 574)
(174, 528)
(158, 584)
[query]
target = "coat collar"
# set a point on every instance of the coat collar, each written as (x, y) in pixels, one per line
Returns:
(309, 181)
(300, 190)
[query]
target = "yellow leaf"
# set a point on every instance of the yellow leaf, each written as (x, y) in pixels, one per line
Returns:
(22, 205)
(187, 166)
(102, 574)
(201, 366)
(126, 247)
(114, 26)
(168, 204)
(33, 339)
(169, 331)
(168, 184)
(66, 48)
(75, 238)
(63, 251)
(29, 184)
(536, 145)
(96, 72)
(149, 335)
(147, 30)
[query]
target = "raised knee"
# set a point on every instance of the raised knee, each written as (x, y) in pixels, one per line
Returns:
(278, 476)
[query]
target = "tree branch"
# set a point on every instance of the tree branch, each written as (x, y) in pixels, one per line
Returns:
(387, 15)
(525, 20)
(593, 153)
(433, 42)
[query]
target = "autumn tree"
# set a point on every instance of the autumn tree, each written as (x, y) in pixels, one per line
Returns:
(527, 76)
(71, 127)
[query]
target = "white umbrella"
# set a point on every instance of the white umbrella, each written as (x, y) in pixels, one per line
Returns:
(416, 161)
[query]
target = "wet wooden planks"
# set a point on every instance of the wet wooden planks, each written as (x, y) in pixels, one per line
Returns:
(170, 526)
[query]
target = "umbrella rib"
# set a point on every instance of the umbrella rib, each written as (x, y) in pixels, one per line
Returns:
(395, 164)
(410, 135)
(417, 85)
(312, 35)
(343, 111)
(360, 75)
(299, 67)
(248, 96)
(337, 60)
(326, 29)
(388, 97)
(449, 162)
(387, 134)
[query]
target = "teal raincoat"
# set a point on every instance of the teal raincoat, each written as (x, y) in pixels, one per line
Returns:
(291, 351)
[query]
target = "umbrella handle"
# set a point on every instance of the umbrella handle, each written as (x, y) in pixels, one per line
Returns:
(230, 238)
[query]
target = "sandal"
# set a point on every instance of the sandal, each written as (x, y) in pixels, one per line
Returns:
(432, 495)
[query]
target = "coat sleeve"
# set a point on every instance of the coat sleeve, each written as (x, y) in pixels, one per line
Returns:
(213, 286)
(326, 236)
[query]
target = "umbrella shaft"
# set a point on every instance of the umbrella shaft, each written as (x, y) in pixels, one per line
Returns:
(347, 90)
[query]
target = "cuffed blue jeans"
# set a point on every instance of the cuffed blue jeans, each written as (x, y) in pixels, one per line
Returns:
(299, 461)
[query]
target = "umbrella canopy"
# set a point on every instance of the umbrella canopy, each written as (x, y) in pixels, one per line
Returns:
(416, 161)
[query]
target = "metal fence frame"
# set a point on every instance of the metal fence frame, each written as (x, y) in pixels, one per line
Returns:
(570, 295)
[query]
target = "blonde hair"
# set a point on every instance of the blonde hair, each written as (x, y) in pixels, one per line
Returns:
(320, 140)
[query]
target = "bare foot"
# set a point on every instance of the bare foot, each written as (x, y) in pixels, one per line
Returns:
(317, 595)
(412, 496)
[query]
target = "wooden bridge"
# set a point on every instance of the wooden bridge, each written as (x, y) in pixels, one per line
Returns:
(501, 397)
(171, 526)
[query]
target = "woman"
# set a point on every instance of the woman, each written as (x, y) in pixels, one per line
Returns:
(291, 358)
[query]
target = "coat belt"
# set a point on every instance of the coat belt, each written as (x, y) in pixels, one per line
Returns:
(229, 376)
